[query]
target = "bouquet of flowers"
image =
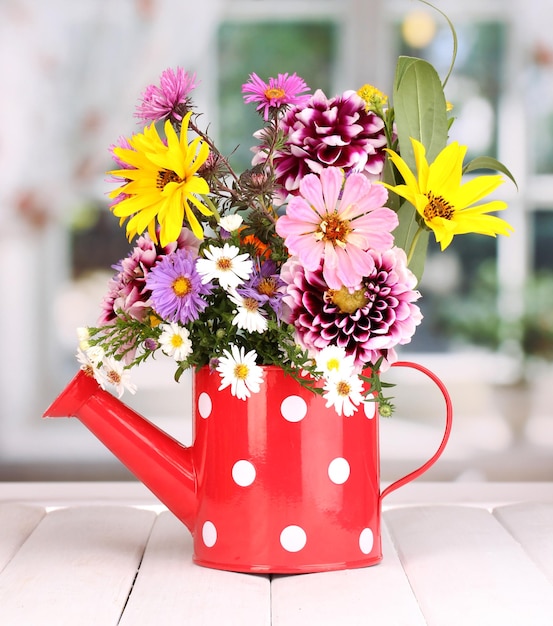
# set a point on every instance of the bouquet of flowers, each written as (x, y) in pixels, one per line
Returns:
(310, 259)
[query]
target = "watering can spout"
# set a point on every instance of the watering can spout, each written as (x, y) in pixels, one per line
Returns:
(163, 464)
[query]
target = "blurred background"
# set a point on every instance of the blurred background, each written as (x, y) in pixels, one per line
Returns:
(71, 74)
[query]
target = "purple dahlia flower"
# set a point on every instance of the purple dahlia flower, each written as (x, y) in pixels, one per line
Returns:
(325, 131)
(367, 323)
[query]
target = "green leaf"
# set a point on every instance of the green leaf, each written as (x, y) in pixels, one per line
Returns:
(488, 163)
(420, 108)
(405, 234)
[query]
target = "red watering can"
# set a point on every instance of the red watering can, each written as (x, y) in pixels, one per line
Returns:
(277, 483)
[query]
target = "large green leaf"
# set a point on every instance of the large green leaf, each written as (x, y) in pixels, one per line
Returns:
(420, 108)
(405, 234)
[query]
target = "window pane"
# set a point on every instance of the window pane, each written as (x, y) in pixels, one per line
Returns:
(306, 48)
(543, 240)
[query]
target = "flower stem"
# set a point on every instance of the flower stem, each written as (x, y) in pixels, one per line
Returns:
(414, 245)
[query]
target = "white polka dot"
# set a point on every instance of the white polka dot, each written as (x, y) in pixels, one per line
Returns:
(293, 538)
(205, 405)
(366, 540)
(338, 470)
(209, 534)
(243, 473)
(293, 408)
(370, 409)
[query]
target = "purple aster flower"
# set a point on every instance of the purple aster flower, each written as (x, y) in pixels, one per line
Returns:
(177, 288)
(265, 285)
(170, 99)
(328, 131)
(283, 91)
(368, 323)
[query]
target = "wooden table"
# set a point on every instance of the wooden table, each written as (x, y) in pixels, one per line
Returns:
(108, 553)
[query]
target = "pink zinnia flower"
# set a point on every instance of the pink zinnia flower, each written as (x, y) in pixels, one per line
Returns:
(334, 222)
(282, 91)
(327, 132)
(368, 323)
(169, 99)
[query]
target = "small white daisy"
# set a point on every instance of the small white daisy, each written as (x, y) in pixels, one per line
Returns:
(333, 361)
(249, 314)
(175, 341)
(344, 394)
(225, 264)
(112, 373)
(240, 372)
(83, 335)
(231, 222)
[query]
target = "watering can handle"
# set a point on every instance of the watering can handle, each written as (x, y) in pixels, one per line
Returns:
(449, 416)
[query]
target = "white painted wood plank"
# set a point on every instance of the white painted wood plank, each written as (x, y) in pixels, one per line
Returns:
(531, 524)
(465, 568)
(171, 589)
(373, 595)
(17, 522)
(77, 567)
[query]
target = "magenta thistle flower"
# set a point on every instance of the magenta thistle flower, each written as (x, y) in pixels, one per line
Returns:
(177, 289)
(328, 131)
(283, 91)
(334, 222)
(169, 99)
(368, 323)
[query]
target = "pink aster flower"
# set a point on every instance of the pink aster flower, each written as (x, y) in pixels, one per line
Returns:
(283, 91)
(368, 323)
(334, 221)
(170, 99)
(325, 131)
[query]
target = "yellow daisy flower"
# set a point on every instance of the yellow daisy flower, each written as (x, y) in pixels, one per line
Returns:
(161, 183)
(447, 206)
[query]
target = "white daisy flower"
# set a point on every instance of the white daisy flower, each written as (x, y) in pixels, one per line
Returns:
(333, 361)
(112, 373)
(249, 314)
(83, 335)
(231, 222)
(240, 372)
(175, 341)
(344, 394)
(225, 264)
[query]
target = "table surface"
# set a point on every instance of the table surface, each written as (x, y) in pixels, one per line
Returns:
(109, 553)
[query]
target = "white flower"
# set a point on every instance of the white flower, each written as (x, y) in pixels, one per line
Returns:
(333, 361)
(344, 394)
(240, 372)
(175, 341)
(83, 335)
(112, 373)
(225, 264)
(231, 222)
(249, 315)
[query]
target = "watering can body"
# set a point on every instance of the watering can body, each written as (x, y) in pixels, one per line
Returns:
(274, 484)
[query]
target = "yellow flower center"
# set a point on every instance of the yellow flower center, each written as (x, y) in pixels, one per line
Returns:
(250, 304)
(348, 302)
(165, 177)
(181, 286)
(333, 364)
(176, 341)
(274, 92)
(224, 264)
(334, 229)
(114, 377)
(267, 287)
(241, 371)
(343, 388)
(438, 207)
